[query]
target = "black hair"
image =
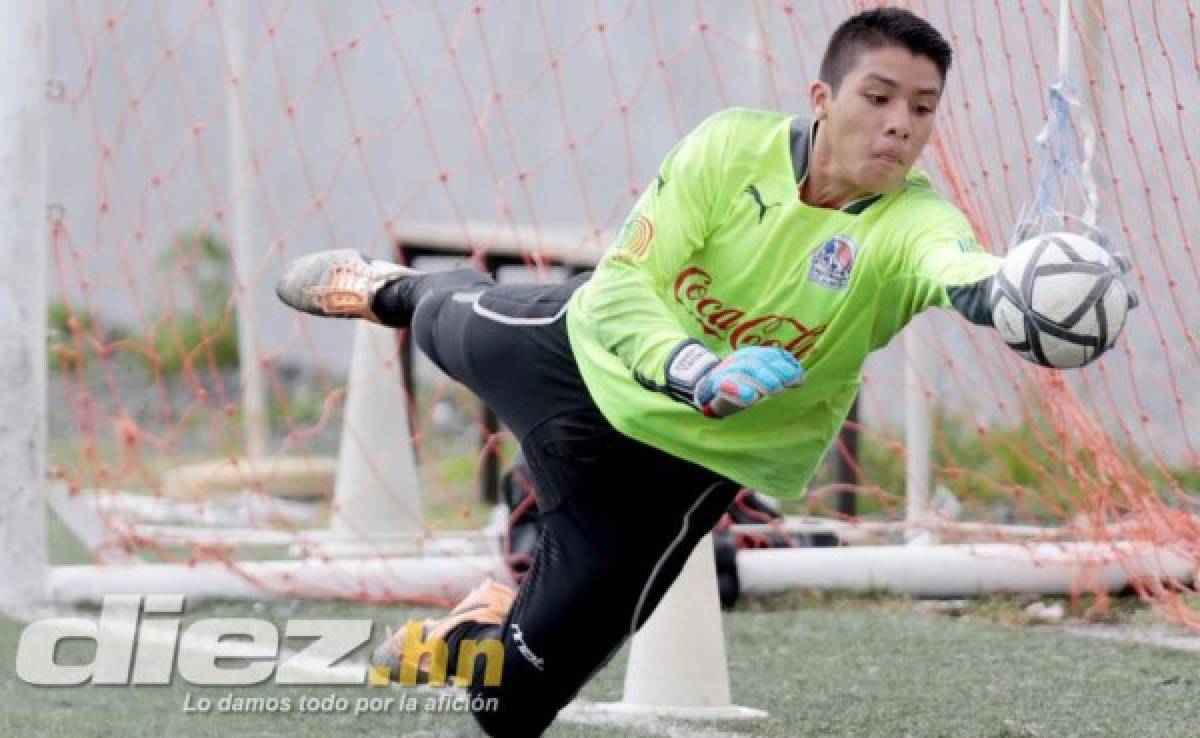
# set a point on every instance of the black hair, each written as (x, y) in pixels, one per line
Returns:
(875, 29)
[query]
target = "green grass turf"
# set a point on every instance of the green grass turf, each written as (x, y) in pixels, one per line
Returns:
(821, 665)
(822, 670)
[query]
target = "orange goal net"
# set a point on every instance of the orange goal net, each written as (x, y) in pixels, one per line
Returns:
(194, 147)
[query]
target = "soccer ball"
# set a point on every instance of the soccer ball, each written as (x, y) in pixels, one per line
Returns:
(1059, 300)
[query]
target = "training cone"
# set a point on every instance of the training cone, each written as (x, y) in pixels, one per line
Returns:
(376, 491)
(676, 663)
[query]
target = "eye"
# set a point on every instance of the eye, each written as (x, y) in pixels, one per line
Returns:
(876, 99)
(924, 110)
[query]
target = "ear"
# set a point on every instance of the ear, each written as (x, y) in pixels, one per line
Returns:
(819, 97)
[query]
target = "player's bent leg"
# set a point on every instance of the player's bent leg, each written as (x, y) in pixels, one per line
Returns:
(507, 344)
(613, 541)
(341, 283)
(345, 284)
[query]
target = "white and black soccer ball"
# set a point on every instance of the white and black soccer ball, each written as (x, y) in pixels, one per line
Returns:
(1059, 300)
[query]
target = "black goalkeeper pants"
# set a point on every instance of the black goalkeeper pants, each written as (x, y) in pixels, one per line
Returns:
(619, 518)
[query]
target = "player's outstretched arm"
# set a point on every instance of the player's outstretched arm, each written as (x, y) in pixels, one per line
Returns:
(973, 301)
(946, 267)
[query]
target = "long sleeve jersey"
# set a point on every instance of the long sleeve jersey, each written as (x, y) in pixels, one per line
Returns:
(721, 249)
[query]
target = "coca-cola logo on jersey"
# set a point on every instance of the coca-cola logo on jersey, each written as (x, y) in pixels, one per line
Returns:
(721, 320)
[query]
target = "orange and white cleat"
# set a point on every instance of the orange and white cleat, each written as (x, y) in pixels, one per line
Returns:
(337, 284)
(412, 650)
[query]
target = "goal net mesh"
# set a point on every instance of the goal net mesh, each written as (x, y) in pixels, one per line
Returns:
(196, 147)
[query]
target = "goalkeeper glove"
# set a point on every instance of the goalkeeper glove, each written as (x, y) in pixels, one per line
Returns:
(721, 387)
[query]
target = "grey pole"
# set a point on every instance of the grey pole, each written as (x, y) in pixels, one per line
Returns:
(255, 422)
(23, 260)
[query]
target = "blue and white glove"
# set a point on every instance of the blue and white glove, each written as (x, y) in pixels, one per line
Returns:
(721, 387)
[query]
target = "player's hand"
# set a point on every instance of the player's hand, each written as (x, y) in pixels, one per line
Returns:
(746, 376)
(722, 387)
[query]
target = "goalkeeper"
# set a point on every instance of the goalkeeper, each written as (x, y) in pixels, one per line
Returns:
(718, 344)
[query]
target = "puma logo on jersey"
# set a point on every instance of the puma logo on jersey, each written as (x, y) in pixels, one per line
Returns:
(753, 192)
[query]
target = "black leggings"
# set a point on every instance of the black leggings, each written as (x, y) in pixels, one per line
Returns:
(619, 518)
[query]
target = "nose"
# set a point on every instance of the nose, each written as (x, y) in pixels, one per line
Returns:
(899, 124)
(898, 130)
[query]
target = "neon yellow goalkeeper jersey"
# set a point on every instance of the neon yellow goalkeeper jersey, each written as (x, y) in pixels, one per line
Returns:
(721, 249)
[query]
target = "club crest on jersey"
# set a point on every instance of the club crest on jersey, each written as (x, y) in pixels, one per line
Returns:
(832, 263)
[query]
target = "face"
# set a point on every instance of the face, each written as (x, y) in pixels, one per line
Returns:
(879, 121)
